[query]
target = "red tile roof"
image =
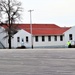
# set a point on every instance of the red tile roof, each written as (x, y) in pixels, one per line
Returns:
(44, 29)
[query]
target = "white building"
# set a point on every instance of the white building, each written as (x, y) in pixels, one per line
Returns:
(70, 35)
(43, 35)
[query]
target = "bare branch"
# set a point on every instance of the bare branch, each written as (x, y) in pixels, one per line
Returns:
(10, 13)
(15, 9)
(3, 6)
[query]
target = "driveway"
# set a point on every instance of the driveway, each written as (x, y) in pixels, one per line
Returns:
(37, 62)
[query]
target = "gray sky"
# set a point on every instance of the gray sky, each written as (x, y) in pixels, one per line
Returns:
(60, 12)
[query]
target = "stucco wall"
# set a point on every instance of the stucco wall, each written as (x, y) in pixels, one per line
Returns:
(22, 34)
(70, 31)
(2, 35)
(47, 43)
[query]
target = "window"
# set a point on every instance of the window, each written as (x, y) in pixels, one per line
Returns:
(70, 36)
(18, 39)
(43, 38)
(49, 38)
(61, 38)
(36, 38)
(22, 40)
(55, 38)
(26, 38)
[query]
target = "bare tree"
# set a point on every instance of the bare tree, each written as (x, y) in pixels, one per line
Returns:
(10, 13)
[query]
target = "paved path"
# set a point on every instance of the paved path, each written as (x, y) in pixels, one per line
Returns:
(37, 62)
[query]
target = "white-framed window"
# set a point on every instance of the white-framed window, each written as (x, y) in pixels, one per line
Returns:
(18, 39)
(27, 39)
(49, 38)
(70, 37)
(61, 37)
(55, 38)
(36, 38)
(43, 38)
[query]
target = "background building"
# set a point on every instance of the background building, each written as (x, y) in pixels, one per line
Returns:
(43, 36)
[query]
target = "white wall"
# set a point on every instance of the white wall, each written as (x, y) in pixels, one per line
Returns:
(22, 34)
(47, 43)
(2, 35)
(70, 31)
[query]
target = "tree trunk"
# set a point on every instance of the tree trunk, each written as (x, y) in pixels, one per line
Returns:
(9, 40)
(9, 33)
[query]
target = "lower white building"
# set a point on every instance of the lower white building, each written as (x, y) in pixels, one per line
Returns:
(70, 35)
(43, 36)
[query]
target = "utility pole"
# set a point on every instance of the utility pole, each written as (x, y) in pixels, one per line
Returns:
(31, 28)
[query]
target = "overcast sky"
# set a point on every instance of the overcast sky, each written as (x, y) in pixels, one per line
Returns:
(60, 12)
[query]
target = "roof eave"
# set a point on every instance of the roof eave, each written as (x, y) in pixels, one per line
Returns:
(47, 34)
